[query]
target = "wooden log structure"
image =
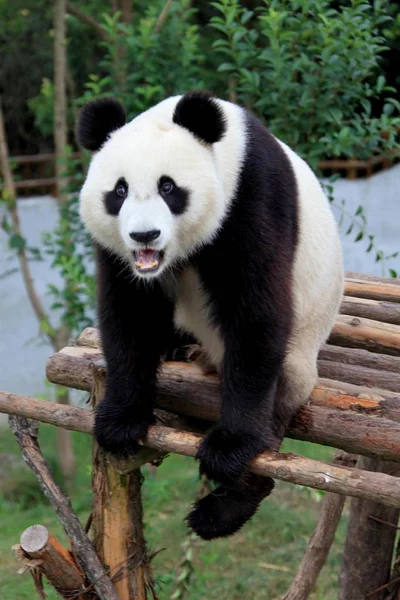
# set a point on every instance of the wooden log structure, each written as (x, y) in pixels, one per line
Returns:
(355, 407)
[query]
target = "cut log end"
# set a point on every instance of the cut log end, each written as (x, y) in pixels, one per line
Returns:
(34, 539)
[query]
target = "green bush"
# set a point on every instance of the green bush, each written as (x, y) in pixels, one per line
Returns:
(311, 71)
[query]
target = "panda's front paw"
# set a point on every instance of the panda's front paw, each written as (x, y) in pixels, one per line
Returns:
(117, 430)
(224, 454)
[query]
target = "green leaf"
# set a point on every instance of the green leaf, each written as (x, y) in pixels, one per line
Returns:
(17, 242)
(380, 84)
(393, 273)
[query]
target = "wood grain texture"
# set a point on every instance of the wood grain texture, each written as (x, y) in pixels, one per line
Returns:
(373, 289)
(368, 550)
(356, 332)
(379, 310)
(118, 522)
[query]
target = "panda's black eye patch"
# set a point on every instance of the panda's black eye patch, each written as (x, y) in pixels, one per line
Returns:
(174, 196)
(114, 199)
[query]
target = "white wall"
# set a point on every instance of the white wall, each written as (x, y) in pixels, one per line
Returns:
(23, 355)
(380, 197)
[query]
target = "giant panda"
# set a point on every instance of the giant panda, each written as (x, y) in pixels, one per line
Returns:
(207, 224)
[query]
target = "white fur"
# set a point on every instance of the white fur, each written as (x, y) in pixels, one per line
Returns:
(317, 280)
(192, 314)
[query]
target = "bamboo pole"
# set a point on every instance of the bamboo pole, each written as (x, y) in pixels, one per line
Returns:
(287, 467)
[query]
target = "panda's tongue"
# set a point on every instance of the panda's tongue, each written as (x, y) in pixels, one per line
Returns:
(147, 259)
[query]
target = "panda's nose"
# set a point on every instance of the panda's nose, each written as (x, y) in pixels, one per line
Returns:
(145, 236)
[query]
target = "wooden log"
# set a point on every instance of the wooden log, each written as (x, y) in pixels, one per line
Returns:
(347, 357)
(321, 540)
(358, 375)
(118, 522)
(372, 278)
(355, 332)
(90, 338)
(372, 289)
(369, 543)
(287, 467)
(35, 183)
(349, 331)
(292, 468)
(362, 358)
(39, 158)
(52, 560)
(26, 436)
(184, 390)
(378, 310)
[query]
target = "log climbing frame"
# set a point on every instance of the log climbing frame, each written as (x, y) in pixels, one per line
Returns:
(355, 408)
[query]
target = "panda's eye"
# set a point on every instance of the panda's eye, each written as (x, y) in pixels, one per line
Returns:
(167, 187)
(121, 190)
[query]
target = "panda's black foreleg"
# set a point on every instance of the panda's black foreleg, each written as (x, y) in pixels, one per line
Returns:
(246, 426)
(135, 321)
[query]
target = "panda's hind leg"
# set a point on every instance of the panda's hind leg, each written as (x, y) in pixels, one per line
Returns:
(228, 507)
(295, 384)
(225, 510)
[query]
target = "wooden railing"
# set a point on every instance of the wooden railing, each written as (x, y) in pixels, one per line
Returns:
(35, 173)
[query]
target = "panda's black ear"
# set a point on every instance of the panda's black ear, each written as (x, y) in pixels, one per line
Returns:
(97, 120)
(201, 114)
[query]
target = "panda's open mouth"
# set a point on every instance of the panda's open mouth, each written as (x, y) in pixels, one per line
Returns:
(148, 260)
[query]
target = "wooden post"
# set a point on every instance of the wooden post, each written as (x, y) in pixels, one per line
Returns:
(321, 540)
(118, 520)
(369, 543)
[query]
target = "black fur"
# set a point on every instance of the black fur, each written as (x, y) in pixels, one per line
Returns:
(177, 200)
(112, 201)
(227, 508)
(136, 329)
(201, 114)
(97, 120)
(247, 273)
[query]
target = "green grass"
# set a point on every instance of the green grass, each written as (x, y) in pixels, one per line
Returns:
(256, 564)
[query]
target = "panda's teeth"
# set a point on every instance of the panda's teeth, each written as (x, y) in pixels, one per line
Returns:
(147, 259)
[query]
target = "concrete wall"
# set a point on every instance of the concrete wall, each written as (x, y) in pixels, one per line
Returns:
(23, 355)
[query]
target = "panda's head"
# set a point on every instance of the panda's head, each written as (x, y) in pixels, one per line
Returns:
(153, 193)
